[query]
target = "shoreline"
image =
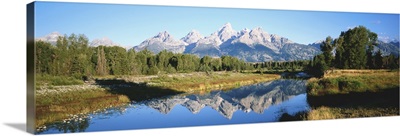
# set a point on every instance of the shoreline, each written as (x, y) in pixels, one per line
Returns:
(57, 103)
(351, 94)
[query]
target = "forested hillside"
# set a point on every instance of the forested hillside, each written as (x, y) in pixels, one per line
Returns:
(71, 56)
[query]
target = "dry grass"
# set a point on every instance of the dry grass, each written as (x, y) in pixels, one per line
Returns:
(197, 81)
(201, 82)
(57, 106)
(345, 81)
(355, 72)
(321, 113)
(354, 93)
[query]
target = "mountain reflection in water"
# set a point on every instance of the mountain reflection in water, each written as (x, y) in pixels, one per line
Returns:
(262, 102)
(257, 98)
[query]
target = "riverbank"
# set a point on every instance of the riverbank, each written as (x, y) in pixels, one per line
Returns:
(353, 94)
(58, 105)
(56, 102)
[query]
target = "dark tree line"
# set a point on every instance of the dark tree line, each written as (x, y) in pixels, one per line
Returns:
(353, 49)
(71, 56)
(282, 65)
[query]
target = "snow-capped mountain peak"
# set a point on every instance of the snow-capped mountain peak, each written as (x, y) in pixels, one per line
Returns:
(226, 26)
(163, 36)
(279, 39)
(192, 37)
(258, 29)
(226, 32)
(388, 39)
(245, 30)
(102, 41)
(251, 45)
(212, 39)
(254, 36)
(162, 41)
(51, 38)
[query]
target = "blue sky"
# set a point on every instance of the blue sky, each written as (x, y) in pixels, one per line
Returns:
(129, 25)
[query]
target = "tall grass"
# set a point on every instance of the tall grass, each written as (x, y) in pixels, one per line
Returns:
(354, 93)
(356, 112)
(352, 81)
(203, 82)
(43, 80)
(57, 106)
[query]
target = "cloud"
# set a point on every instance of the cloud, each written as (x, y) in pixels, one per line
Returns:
(376, 22)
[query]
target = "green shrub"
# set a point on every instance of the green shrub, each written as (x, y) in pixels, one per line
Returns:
(350, 85)
(328, 83)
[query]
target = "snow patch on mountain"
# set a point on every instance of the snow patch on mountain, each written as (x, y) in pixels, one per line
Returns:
(192, 37)
(162, 41)
(51, 38)
(212, 39)
(105, 41)
(226, 32)
(250, 45)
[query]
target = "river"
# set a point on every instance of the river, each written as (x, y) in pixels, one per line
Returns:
(257, 103)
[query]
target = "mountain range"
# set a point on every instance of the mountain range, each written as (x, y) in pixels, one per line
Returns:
(255, 45)
(250, 45)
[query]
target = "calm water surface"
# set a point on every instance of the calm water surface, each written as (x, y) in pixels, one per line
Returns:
(262, 102)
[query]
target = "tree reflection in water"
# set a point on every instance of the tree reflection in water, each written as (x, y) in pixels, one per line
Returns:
(80, 122)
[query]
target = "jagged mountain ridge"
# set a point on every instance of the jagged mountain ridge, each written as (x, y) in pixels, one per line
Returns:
(250, 45)
(388, 48)
(192, 37)
(162, 41)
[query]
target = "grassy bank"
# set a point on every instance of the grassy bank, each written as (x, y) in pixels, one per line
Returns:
(42, 81)
(202, 82)
(356, 112)
(52, 107)
(354, 93)
(346, 81)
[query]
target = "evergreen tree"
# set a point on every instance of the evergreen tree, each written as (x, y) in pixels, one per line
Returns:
(44, 57)
(152, 63)
(378, 60)
(339, 59)
(101, 62)
(141, 59)
(319, 66)
(61, 63)
(393, 62)
(162, 60)
(134, 67)
(327, 48)
(370, 57)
